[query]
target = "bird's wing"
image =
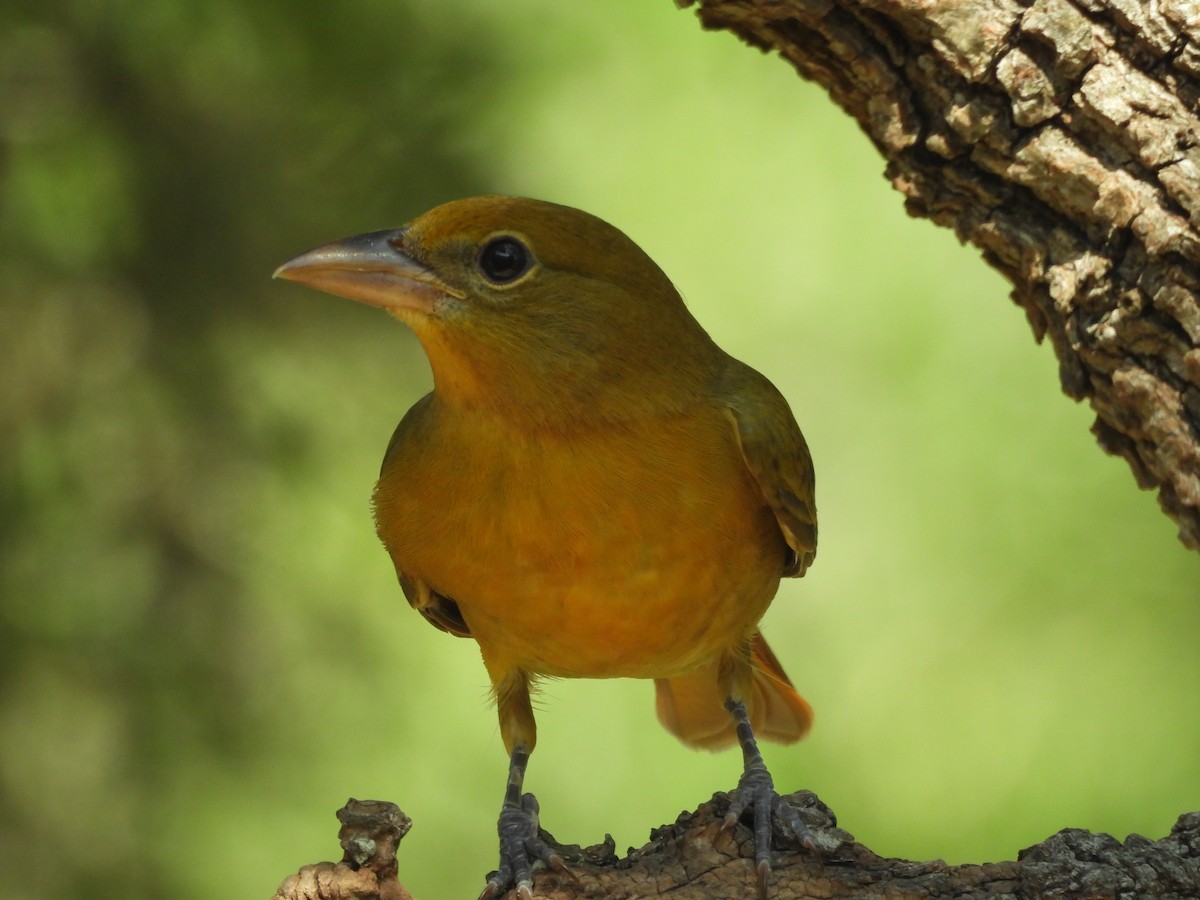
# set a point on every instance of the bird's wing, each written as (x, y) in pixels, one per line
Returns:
(438, 609)
(412, 422)
(776, 455)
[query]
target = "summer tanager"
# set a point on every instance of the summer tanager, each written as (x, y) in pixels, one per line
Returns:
(593, 489)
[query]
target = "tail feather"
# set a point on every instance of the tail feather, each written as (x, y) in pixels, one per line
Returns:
(692, 706)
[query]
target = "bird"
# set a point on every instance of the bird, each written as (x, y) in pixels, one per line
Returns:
(592, 489)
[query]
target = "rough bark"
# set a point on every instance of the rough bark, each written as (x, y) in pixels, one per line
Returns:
(370, 835)
(1061, 138)
(696, 859)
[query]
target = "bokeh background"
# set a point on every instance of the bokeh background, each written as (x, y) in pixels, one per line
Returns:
(203, 650)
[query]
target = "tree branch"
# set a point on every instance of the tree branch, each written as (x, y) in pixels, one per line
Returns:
(1060, 137)
(695, 859)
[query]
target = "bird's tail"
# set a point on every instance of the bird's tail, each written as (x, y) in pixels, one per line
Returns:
(692, 706)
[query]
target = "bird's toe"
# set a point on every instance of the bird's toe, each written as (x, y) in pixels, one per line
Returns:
(521, 850)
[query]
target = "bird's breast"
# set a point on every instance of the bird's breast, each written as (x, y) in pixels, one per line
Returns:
(637, 550)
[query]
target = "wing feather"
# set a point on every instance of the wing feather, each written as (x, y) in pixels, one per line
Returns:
(777, 457)
(439, 610)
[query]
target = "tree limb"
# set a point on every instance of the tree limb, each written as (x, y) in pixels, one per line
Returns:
(1060, 137)
(696, 859)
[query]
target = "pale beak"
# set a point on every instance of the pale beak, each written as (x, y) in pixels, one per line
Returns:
(369, 268)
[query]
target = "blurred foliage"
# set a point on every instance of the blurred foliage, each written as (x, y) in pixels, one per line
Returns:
(202, 648)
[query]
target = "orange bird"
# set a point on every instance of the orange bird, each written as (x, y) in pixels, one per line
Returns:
(593, 489)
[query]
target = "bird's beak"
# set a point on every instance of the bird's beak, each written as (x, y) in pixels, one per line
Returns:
(369, 268)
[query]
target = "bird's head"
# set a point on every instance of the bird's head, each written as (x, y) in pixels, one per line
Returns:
(524, 305)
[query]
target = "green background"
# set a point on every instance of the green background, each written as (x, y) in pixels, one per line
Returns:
(203, 650)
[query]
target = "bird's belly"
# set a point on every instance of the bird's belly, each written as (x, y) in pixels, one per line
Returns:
(643, 611)
(616, 558)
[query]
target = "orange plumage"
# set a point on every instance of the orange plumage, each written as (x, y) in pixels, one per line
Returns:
(593, 488)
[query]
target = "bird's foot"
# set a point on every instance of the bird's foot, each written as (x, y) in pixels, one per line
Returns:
(756, 792)
(521, 848)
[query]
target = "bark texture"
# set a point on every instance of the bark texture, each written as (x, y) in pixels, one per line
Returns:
(696, 859)
(370, 835)
(1061, 138)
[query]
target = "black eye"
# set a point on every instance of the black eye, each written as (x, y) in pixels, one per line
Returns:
(504, 259)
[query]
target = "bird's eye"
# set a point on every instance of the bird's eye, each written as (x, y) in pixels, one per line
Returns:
(504, 259)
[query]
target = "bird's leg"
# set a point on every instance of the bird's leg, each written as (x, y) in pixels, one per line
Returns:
(756, 790)
(520, 844)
